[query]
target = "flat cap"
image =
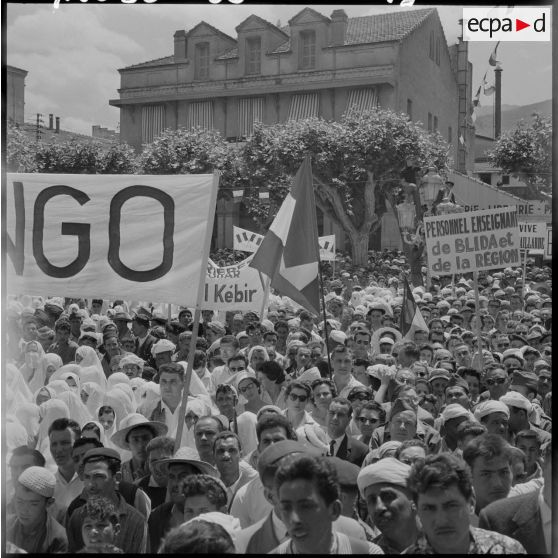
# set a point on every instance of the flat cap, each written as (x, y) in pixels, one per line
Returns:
(347, 472)
(101, 452)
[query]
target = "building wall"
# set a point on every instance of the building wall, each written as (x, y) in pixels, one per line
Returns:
(15, 94)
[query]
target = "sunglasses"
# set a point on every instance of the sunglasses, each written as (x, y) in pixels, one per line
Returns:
(495, 381)
(246, 388)
(365, 420)
(503, 345)
(295, 397)
(236, 369)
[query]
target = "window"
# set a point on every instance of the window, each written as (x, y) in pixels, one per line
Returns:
(253, 56)
(152, 122)
(304, 106)
(200, 114)
(450, 134)
(250, 110)
(485, 177)
(431, 46)
(361, 100)
(505, 179)
(429, 122)
(307, 50)
(410, 108)
(202, 61)
(438, 46)
(435, 127)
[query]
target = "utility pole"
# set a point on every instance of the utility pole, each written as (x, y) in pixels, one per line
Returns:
(39, 125)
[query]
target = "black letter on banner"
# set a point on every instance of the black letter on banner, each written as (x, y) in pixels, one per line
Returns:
(15, 250)
(81, 230)
(114, 233)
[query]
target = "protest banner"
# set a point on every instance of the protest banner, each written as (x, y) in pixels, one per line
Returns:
(235, 287)
(532, 236)
(109, 236)
(474, 241)
(249, 241)
(548, 244)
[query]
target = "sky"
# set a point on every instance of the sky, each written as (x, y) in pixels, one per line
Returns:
(73, 53)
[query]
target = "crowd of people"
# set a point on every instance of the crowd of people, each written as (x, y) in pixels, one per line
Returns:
(343, 435)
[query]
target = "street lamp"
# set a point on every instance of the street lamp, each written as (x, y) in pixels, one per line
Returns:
(431, 184)
(447, 207)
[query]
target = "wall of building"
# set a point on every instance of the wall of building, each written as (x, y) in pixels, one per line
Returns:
(15, 94)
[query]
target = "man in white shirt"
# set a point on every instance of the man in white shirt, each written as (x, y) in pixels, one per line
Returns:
(342, 363)
(62, 434)
(229, 347)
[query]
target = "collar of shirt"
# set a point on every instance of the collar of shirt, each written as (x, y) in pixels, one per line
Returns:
(141, 340)
(63, 481)
(278, 527)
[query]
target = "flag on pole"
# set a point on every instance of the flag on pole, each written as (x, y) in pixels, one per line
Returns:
(411, 319)
(488, 89)
(289, 253)
(476, 99)
(492, 60)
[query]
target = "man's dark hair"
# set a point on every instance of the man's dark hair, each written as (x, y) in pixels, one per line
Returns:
(91, 426)
(200, 359)
(351, 396)
(269, 333)
(220, 427)
(197, 537)
(268, 421)
(470, 428)
(160, 442)
(314, 469)
(113, 465)
(414, 443)
(361, 361)
(63, 424)
(172, 368)
(440, 471)
(468, 371)
(410, 349)
(280, 323)
(148, 373)
(106, 409)
(85, 441)
(299, 385)
(373, 406)
(205, 485)
(229, 340)
(527, 435)
(325, 382)
(342, 350)
(38, 457)
(238, 356)
(224, 435)
(488, 446)
(101, 509)
(273, 371)
(362, 331)
(226, 389)
(342, 401)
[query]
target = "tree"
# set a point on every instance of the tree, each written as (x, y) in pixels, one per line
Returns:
(20, 151)
(526, 152)
(356, 163)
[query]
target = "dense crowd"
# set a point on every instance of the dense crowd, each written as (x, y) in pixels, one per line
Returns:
(300, 435)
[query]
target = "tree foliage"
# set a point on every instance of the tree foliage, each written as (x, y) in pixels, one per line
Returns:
(20, 151)
(356, 162)
(526, 151)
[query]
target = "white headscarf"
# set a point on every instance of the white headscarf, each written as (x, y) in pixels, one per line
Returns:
(59, 386)
(117, 378)
(122, 404)
(135, 384)
(19, 389)
(28, 416)
(89, 357)
(74, 368)
(49, 411)
(30, 369)
(78, 411)
(103, 437)
(95, 397)
(92, 374)
(75, 377)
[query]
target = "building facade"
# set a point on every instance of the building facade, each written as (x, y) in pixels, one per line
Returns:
(15, 95)
(315, 66)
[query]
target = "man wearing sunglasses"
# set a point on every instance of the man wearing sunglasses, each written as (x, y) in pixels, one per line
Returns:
(496, 380)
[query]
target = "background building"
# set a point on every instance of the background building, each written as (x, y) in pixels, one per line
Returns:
(314, 66)
(15, 95)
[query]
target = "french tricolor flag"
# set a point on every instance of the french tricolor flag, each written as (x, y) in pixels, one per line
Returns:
(289, 253)
(411, 318)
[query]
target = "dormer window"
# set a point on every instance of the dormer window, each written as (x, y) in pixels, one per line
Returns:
(307, 50)
(201, 61)
(253, 56)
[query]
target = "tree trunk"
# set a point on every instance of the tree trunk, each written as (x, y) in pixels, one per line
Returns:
(359, 248)
(413, 255)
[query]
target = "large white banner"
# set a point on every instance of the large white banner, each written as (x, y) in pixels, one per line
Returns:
(234, 287)
(108, 236)
(474, 241)
(532, 236)
(248, 241)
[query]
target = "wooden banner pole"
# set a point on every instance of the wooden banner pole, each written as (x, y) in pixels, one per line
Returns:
(477, 311)
(197, 313)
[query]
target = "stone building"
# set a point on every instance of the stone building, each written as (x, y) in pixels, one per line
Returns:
(314, 66)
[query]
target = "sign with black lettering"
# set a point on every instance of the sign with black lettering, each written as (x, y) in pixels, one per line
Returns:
(108, 236)
(532, 236)
(548, 243)
(474, 241)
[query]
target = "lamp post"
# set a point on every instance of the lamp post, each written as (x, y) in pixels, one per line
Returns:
(430, 186)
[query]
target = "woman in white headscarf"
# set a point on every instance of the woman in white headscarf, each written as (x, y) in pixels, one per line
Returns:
(33, 353)
(87, 356)
(92, 374)
(59, 386)
(122, 404)
(78, 411)
(117, 378)
(94, 429)
(72, 379)
(49, 411)
(74, 368)
(257, 355)
(48, 364)
(92, 396)
(53, 363)
(20, 392)
(28, 416)
(135, 384)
